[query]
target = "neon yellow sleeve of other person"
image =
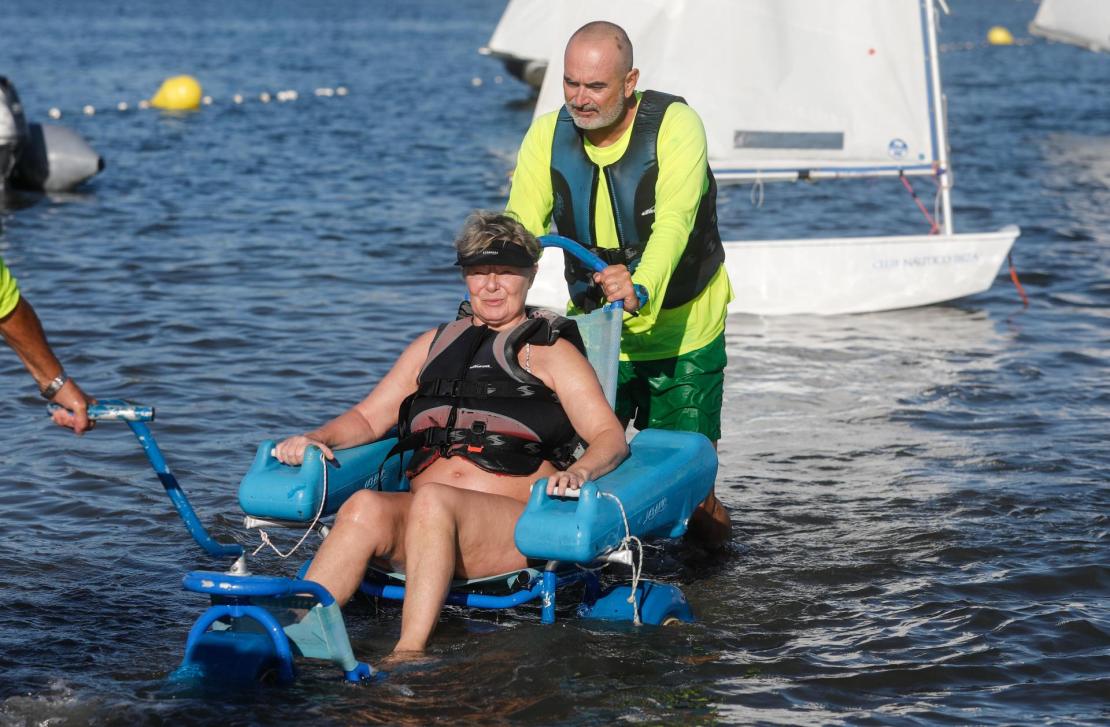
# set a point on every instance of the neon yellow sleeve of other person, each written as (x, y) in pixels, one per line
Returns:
(9, 291)
(531, 197)
(682, 181)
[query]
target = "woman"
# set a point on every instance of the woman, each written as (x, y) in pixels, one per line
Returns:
(490, 403)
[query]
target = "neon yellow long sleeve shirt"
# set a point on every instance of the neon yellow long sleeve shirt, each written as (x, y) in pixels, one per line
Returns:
(657, 332)
(9, 291)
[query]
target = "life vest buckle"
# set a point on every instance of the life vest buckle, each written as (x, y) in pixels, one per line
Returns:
(476, 443)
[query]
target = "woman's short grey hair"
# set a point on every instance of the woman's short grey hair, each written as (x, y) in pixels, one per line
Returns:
(482, 229)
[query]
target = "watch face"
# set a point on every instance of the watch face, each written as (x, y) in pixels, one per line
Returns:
(54, 386)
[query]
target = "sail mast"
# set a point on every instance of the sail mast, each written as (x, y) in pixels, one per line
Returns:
(940, 121)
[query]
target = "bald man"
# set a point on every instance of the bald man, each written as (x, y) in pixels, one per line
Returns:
(625, 173)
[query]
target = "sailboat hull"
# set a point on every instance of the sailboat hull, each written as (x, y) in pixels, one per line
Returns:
(840, 275)
(1085, 23)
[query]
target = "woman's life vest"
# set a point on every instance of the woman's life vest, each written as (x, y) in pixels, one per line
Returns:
(475, 400)
(631, 183)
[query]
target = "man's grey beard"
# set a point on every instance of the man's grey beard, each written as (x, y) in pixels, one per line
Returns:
(598, 122)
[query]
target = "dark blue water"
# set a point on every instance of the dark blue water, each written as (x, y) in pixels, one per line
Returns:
(920, 496)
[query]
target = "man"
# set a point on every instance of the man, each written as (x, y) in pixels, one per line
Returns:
(626, 173)
(22, 330)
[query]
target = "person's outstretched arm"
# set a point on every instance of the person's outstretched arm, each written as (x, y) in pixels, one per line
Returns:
(22, 330)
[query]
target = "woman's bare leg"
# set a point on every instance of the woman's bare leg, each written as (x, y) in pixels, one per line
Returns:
(452, 532)
(369, 525)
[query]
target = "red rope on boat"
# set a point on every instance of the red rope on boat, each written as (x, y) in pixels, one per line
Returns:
(933, 229)
(1017, 283)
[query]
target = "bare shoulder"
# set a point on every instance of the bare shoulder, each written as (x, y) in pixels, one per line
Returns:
(424, 339)
(561, 360)
(423, 342)
(414, 355)
(559, 353)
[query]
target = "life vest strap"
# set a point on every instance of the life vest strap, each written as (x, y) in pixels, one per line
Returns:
(464, 389)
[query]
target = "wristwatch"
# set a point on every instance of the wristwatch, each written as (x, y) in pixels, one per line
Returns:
(50, 390)
(641, 294)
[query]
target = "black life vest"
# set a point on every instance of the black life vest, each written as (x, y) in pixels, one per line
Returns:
(475, 400)
(631, 182)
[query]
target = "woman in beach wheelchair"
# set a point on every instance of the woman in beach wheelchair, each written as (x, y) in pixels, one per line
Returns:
(487, 404)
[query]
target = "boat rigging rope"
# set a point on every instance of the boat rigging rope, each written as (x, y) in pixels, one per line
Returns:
(637, 564)
(757, 193)
(938, 200)
(1017, 283)
(312, 526)
(933, 228)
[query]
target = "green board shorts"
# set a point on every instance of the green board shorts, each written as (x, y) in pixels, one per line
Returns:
(682, 393)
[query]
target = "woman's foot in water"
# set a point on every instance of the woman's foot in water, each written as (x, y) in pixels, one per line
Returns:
(403, 660)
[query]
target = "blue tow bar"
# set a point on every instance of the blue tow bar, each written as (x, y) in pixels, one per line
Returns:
(136, 416)
(239, 637)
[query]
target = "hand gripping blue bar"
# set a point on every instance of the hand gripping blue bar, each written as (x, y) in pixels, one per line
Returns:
(576, 249)
(114, 410)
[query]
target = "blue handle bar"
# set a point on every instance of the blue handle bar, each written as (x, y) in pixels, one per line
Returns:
(243, 586)
(114, 410)
(576, 249)
(568, 245)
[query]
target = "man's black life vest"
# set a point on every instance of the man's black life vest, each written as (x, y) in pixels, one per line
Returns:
(475, 400)
(631, 182)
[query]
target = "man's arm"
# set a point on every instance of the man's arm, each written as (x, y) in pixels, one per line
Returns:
(22, 330)
(682, 181)
(530, 197)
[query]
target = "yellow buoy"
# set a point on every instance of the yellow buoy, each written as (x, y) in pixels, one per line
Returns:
(179, 93)
(999, 35)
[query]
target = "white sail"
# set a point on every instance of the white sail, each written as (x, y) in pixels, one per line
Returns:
(800, 88)
(522, 31)
(786, 88)
(1085, 23)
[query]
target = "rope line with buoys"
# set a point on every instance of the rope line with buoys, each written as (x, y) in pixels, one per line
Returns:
(998, 35)
(184, 93)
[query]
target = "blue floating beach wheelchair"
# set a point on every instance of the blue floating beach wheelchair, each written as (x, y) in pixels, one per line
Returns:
(249, 632)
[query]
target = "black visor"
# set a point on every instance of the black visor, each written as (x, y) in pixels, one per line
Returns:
(499, 252)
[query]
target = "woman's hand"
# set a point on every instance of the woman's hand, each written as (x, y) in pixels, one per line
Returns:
(291, 450)
(571, 479)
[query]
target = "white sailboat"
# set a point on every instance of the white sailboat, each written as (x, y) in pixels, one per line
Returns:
(521, 40)
(800, 89)
(1085, 23)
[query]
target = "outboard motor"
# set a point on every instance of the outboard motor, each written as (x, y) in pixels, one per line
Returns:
(55, 159)
(13, 128)
(37, 157)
